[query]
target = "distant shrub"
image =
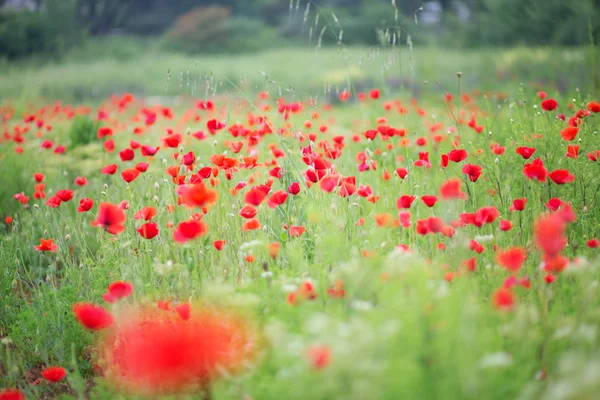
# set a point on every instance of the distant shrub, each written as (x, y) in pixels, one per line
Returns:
(83, 131)
(199, 29)
(532, 22)
(23, 34)
(213, 29)
(50, 31)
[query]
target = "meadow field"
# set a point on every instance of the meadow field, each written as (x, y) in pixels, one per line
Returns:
(309, 223)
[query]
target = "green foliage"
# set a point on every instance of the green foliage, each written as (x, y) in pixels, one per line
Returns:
(403, 329)
(533, 22)
(23, 34)
(83, 131)
(12, 183)
(49, 32)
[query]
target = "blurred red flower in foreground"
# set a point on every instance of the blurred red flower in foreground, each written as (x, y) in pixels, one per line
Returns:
(549, 234)
(319, 356)
(153, 351)
(111, 218)
(504, 299)
(11, 394)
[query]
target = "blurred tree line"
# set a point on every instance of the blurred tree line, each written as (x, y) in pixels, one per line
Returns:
(53, 26)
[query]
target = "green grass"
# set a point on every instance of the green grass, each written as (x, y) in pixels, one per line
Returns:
(405, 328)
(96, 73)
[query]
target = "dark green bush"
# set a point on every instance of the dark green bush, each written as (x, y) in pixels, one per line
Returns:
(83, 131)
(213, 29)
(50, 31)
(530, 22)
(23, 34)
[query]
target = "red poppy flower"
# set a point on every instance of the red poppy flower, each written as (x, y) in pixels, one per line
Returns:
(109, 146)
(111, 218)
(148, 151)
(189, 158)
(569, 133)
(146, 213)
(536, 170)
(319, 356)
(39, 191)
(511, 259)
(80, 181)
(117, 291)
(53, 201)
(593, 106)
(485, 215)
(401, 172)
(38, 176)
(593, 243)
(11, 394)
(54, 374)
(46, 245)
(197, 195)
(127, 155)
(457, 155)
(444, 160)
(130, 174)
(294, 188)
(104, 131)
(189, 230)
(256, 195)
(172, 141)
(405, 201)
(218, 244)
(152, 352)
(142, 166)
(248, 212)
(450, 189)
(525, 152)
(329, 183)
(64, 194)
(251, 225)
(572, 151)
(549, 105)
(148, 231)
(213, 126)
(555, 264)
(476, 246)
(504, 299)
(518, 204)
(297, 231)
(505, 225)
(472, 171)
(561, 176)
(109, 169)
(277, 199)
(429, 201)
(85, 204)
(92, 317)
(337, 290)
(549, 231)
(554, 204)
